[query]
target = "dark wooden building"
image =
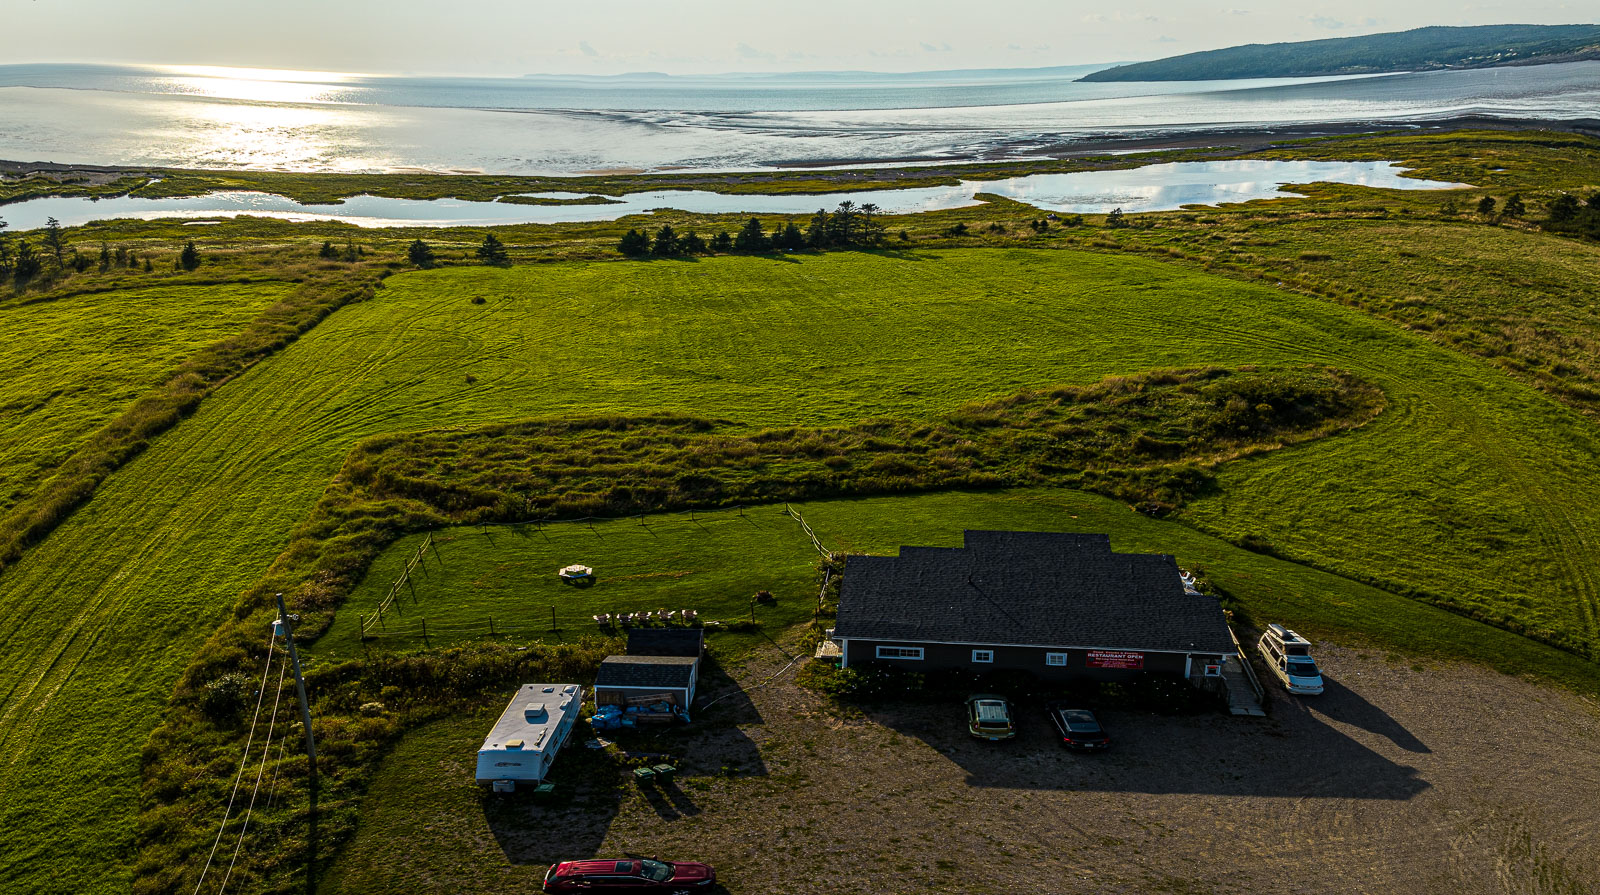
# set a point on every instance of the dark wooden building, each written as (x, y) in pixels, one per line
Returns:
(642, 680)
(1058, 605)
(689, 642)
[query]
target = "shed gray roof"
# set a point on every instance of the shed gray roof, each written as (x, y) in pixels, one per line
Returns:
(1028, 588)
(666, 641)
(667, 672)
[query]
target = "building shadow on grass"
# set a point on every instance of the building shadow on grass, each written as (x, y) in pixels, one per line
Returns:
(1293, 755)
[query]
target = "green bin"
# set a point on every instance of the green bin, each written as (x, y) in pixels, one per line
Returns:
(644, 775)
(664, 772)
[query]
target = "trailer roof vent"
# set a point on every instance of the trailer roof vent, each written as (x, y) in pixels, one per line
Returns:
(533, 712)
(513, 744)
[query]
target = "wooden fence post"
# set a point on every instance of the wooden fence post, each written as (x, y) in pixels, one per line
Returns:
(491, 626)
(425, 633)
(553, 617)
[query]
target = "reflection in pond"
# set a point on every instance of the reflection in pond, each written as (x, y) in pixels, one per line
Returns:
(1150, 188)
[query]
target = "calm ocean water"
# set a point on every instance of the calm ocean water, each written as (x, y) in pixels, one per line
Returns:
(308, 121)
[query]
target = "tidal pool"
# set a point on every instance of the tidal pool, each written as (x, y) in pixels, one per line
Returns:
(1149, 188)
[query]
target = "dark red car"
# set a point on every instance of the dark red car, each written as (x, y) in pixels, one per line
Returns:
(629, 874)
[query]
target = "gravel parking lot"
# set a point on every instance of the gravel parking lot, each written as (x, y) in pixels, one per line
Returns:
(1445, 779)
(1400, 779)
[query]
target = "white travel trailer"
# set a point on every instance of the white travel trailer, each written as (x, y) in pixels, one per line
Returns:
(524, 742)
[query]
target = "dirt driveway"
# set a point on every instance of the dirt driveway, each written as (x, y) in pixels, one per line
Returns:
(1400, 779)
(1451, 779)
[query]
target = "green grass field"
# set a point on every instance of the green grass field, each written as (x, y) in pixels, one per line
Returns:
(1470, 488)
(70, 364)
(712, 563)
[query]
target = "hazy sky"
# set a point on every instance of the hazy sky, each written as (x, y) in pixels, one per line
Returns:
(684, 36)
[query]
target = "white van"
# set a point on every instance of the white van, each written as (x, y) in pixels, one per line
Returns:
(1289, 655)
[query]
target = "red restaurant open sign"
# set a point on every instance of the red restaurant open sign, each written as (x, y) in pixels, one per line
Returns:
(1115, 659)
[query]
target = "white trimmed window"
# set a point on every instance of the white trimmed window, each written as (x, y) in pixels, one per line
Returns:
(983, 655)
(1056, 659)
(899, 652)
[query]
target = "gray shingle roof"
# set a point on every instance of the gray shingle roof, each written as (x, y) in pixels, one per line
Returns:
(670, 672)
(665, 641)
(1028, 588)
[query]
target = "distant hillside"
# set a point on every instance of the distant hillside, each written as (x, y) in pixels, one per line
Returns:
(1478, 46)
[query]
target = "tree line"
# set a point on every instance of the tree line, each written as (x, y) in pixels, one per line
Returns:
(1568, 215)
(848, 226)
(22, 261)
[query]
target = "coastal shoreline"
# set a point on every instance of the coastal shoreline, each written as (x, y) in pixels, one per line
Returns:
(1019, 152)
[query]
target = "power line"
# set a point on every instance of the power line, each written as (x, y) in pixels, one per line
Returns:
(272, 724)
(261, 695)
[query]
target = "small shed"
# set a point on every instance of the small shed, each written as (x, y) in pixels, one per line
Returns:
(523, 743)
(645, 680)
(689, 642)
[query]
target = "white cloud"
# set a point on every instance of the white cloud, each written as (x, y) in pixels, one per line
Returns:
(746, 51)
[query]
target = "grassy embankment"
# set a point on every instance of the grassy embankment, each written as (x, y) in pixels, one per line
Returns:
(70, 364)
(772, 342)
(99, 372)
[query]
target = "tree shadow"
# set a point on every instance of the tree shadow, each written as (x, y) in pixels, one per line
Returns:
(1296, 756)
(1344, 705)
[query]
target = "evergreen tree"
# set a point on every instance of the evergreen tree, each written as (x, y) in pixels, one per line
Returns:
(493, 251)
(843, 224)
(1564, 208)
(189, 258)
(1116, 219)
(790, 237)
(26, 265)
(121, 257)
(666, 244)
(420, 254)
(634, 244)
(133, 262)
(5, 252)
(869, 230)
(751, 238)
(693, 244)
(1514, 207)
(721, 242)
(52, 240)
(819, 233)
(349, 256)
(1486, 206)
(147, 267)
(105, 257)
(327, 251)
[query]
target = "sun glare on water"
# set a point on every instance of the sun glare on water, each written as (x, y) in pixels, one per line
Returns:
(263, 85)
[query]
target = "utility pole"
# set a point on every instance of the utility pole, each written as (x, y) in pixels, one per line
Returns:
(284, 627)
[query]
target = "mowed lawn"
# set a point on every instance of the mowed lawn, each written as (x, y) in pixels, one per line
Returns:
(98, 620)
(71, 364)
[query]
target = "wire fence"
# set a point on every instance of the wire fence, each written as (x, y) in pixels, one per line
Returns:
(380, 624)
(806, 527)
(388, 602)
